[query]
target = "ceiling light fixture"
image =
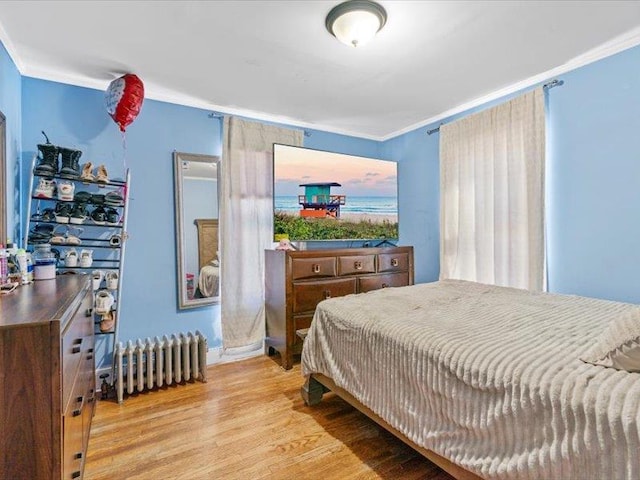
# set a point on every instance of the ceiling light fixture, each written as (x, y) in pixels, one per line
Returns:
(356, 22)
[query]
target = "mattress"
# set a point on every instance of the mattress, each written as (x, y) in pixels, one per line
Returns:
(488, 377)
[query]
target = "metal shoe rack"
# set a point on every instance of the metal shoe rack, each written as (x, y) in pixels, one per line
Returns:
(94, 237)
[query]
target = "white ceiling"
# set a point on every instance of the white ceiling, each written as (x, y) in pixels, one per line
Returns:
(274, 60)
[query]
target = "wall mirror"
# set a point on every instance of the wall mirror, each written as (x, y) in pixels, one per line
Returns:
(197, 246)
(4, 214)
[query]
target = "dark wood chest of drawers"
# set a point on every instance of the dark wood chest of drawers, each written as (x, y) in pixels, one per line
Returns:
(46, 379)
(296, 281)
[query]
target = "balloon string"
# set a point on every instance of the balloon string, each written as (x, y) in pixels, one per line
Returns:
(124, 152)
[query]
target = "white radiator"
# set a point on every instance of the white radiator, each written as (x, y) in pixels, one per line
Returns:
(154, 363)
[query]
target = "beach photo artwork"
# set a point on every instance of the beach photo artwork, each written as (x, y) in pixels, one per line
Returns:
(328, 196)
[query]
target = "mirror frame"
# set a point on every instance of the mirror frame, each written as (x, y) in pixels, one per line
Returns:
(4, 215)
(178, 158)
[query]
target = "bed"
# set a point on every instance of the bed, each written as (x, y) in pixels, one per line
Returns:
(485, 381)
(208, 261)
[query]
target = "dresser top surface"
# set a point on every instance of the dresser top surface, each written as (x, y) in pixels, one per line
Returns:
(42, 301)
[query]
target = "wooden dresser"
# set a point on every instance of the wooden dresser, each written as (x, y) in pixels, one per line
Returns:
(46, 379)
(296, 281)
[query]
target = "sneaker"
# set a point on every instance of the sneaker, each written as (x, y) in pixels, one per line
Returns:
(112, 280)
(86, 172)
(63, 212)
(78, 214)
(71, 258)
(65, 191)
(96, 279)
(83, 197)
(108, 322)
(104, 302)
(86, 259)
(45, 189)
(97, 199)
(48, 215)
(112, 216)
(99, 216)
(113, 199)
(101, 174)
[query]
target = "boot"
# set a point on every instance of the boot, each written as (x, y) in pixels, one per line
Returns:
(47, 160)
(70, 163)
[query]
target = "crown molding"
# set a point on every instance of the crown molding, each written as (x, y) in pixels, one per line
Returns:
(623, 42)
(11, 49)
(155, 92)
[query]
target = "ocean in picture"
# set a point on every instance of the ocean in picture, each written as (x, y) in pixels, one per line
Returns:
(354, 205)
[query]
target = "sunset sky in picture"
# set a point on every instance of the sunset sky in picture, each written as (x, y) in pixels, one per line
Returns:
(358, 176)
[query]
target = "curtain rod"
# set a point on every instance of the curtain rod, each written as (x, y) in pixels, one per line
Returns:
(546, 86)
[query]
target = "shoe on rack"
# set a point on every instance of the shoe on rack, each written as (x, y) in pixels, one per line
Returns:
(113, 199)
(97, 199)
(65, 191)
(113, 217)
(87, 173)
(96, 279)
(108, 322)
(78, 214)
(46, 188)
(71, 258)
(58, 238)
(86, 258)
(101, 174)
(70, 162)
(112, 280)
(82, 197)
(104, 302)
(99, 216)
(63, 212)
(47, 160)
(73, 238)
(48, 215)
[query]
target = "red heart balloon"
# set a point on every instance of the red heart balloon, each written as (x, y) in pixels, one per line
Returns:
(124, 99)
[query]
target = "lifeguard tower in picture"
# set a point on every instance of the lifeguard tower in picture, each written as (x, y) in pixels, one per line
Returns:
(318, 202)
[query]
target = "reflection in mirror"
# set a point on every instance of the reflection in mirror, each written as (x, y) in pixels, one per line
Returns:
(196, 205)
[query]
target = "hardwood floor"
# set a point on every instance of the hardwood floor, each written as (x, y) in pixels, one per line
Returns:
(248, 422)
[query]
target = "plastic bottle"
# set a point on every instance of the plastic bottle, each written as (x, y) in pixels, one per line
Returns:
(29, 267)
(4, 272)
(21, 259)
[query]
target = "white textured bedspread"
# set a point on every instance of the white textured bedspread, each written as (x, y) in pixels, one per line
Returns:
(485, 376)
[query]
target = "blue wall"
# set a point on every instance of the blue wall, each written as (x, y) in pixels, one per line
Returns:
(11, 107)
(593, 182)
(75, 117)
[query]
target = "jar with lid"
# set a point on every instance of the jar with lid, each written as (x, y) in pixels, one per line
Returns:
(45, 262)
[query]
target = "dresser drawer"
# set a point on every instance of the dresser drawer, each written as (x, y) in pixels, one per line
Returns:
(393, 262)
(307, 295)
(356, 264)
(77, 343)
(383, 281)
(313, 267)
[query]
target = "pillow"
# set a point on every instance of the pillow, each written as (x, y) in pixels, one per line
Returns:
(619, 345)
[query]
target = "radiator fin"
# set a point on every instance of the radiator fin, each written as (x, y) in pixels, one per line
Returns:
(153, 363)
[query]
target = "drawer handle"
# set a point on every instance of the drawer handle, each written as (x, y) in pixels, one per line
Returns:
(80, 399)
(78, 412)
(384, 285)
(88, 312)
(76, 349)
(89, 357)
(90, 350)
(75, 474)
(316, 268)
(358, 265)
(78, 456)
(327, 293)
(394, 262)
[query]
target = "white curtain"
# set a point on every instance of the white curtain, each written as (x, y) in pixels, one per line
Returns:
(246, 227)
(492, 195)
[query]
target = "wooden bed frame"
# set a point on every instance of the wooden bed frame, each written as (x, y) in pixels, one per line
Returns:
(317, 384)
(207, 240)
